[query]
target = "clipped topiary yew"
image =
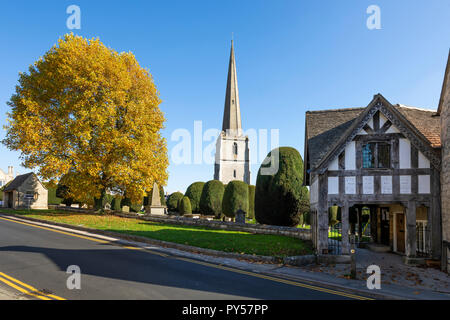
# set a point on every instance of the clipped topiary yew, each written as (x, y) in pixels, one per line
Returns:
(194, 192)
(184, 206)
(281, 198)
(251, 202)
(172, 201)
(235, 198)
(211, 198)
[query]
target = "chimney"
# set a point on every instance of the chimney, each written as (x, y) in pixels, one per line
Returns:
(10, 171)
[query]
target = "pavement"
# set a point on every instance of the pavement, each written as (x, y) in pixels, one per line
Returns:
(112, 270)
(394, 272)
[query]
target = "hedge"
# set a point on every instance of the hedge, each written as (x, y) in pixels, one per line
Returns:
(52, 198)
(281, 198)
(134, 207)
(194, 192)
(251, 202)
(235, 198)
(211, 198)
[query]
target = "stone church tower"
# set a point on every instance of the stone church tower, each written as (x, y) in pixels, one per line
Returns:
(232, 161)
(444, 111)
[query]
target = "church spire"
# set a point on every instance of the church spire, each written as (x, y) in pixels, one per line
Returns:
(232, 110)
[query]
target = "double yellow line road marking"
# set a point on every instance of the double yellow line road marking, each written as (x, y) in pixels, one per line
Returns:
(34, 292)
(26, 288)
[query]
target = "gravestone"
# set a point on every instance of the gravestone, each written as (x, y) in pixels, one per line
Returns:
(107, 207)
(155, 208)
(240, 216)
(126, 209)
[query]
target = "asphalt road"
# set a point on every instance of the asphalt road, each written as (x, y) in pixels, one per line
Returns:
(32, 257)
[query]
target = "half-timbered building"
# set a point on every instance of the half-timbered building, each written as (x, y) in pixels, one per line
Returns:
(383, 160)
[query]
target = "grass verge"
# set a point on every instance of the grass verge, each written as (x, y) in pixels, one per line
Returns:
(222, 240)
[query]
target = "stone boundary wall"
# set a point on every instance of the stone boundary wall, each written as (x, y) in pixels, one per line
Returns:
(303, 234)
(72, 209)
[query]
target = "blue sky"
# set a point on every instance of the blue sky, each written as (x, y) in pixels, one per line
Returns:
(292, 56)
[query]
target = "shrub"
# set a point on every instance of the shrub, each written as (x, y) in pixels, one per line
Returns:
(134, 207)
(185, 206)
(235, 198)
(281, 198)
(307, 218)
(194, 192)
(108, 198)
(172, 201)
(211, 198)
(62, 191)
(251, 202)
(333, 215)
(52, 198)
(115, 204)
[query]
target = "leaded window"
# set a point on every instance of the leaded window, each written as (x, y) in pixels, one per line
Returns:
(376, 155)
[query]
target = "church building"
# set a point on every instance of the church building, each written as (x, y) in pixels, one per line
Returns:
(232, 160)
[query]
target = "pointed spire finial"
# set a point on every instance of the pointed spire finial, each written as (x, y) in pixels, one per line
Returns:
(232, 112)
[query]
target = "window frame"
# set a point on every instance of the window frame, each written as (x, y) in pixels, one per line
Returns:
(376, 155)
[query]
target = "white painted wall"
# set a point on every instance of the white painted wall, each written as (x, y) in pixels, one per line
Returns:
(334, 165)
(423, 161)
(350, 156)
(424, 184)
(405, 153)
(368, 185)
(350, 185)
(405, 184)
(362, 132)
(392, 129)
(370, 123)
(386, 184)
(333, 185)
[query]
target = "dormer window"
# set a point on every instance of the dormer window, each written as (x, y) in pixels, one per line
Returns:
(376, 155)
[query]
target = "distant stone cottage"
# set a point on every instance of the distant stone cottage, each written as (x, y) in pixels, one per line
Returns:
(25, 191)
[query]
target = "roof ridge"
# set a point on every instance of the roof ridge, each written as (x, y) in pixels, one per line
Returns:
(336, 110)
(414, 108)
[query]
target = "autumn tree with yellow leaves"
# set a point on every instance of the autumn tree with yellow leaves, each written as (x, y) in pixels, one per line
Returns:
(91, 115)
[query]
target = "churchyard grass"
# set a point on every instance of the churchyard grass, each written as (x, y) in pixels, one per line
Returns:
(222, 240)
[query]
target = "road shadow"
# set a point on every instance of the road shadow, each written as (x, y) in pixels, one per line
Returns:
(144, 268)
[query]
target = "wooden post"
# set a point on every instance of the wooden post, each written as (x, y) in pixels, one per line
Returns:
(353, 257)
(411, 229)
(344, 231)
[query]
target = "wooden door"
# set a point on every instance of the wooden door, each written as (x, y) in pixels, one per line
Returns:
(400, 224)
(384, 226)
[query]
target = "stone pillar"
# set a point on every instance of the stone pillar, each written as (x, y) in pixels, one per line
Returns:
(444, 108)
(322, 239)
(410, 245)
(345, 227)
(322, 216)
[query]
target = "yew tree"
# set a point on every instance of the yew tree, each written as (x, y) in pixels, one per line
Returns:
(91, 114)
